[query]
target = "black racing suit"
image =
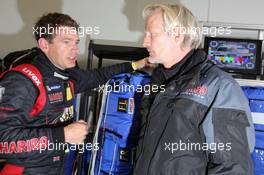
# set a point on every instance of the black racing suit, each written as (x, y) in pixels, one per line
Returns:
(200, 124)
(20, 134)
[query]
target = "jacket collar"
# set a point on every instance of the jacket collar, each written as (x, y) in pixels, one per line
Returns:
(186, 73)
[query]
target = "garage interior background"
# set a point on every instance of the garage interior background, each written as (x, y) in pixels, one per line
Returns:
(117, 21)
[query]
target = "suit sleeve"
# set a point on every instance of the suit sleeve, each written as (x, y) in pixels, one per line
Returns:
(89, 79)
(19, 136)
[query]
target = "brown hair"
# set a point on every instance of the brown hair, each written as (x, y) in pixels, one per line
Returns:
(51, 22)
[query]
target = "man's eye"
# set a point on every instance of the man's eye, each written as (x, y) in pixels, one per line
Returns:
(66, 41)
(148, 34)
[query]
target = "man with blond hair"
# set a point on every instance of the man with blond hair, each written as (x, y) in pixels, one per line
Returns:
(202, 122)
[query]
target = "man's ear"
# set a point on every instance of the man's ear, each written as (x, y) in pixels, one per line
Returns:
(43, 44)
(178, 34)
(175, 32)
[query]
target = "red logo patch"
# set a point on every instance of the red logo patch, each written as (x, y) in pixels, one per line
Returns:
(55, 97)
(199, 90)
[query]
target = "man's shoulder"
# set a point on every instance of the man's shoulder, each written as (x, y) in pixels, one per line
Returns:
(26, 56)
(16, 79)
(211, 74)
(17, 85)
(222, 84)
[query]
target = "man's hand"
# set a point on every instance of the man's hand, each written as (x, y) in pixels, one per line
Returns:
(76, 132)
(144, 63)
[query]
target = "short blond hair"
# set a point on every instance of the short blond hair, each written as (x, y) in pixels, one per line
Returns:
(178, 15)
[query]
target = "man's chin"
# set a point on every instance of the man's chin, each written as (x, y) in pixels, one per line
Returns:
(153, 60)
(71, 66)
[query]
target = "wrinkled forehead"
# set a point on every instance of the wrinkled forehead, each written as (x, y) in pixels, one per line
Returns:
(66, 32)
(155, 20)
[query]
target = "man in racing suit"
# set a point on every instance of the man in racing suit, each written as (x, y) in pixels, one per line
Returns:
(29, 140)
(201, 123)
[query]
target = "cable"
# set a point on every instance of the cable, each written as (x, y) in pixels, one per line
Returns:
(113, 161)
(95, 139)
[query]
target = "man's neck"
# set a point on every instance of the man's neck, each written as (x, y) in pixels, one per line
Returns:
(179, 55)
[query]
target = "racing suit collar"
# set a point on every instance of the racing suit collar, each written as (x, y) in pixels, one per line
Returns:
(62, 74)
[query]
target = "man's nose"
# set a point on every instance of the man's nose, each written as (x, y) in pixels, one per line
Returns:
(76, 49)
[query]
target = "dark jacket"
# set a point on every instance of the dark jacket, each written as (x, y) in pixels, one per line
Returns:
(20, 134)
(200, 124)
